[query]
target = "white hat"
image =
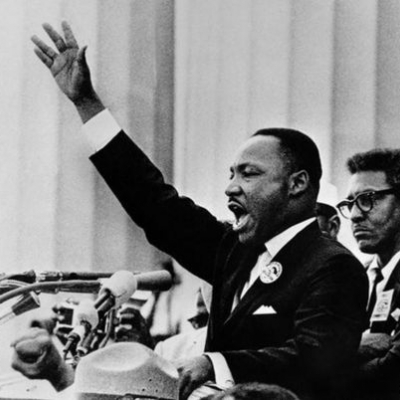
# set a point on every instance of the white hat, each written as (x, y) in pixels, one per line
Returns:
(124, 371)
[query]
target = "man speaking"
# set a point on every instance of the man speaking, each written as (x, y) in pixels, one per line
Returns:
(288, 305)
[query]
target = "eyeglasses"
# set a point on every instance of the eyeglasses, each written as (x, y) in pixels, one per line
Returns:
(364, 201)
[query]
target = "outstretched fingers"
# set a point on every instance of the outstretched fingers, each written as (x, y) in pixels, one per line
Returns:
(55, 37)
(43, 57)
(69, 35)
(43, 51)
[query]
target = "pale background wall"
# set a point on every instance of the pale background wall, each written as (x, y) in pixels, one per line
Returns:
(329, 68)
(189, 80)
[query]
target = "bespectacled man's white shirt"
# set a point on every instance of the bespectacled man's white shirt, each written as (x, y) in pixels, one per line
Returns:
(386, 272)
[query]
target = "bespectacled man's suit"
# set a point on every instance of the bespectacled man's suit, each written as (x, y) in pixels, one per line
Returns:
(378, 377)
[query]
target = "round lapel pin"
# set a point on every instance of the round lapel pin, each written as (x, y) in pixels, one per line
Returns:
(271, 272)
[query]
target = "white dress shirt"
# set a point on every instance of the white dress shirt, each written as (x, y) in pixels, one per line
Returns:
(273, 246)
(386, 272)
(99, 131)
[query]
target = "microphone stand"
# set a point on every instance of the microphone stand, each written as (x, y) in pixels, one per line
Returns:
(53, 287)
(14, 285)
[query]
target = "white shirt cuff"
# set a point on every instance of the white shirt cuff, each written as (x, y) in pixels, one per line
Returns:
(223, 375)
(100, 130)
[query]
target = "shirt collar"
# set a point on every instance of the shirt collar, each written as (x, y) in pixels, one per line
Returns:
(386, 269)
(275, 244)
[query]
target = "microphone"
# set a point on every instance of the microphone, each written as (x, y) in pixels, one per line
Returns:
(154, 280)
(27, 302)
(115, 291)
(85, 319)
(118, 289)
(55, 276)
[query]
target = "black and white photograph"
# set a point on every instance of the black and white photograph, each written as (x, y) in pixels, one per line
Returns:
(200, 199)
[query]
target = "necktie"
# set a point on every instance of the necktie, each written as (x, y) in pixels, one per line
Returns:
(372, 300)
(263, 259)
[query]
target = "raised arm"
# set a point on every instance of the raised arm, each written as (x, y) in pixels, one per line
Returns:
(69, 68)
(174, 224)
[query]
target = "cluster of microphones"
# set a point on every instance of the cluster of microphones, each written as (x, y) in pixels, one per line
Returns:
(90, 317)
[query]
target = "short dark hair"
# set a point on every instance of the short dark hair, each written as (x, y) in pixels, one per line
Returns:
(385, 160)
(256, 391)
(300, 150)
(325, 210)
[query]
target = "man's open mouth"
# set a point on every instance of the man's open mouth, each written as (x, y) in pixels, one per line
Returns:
(240, 213)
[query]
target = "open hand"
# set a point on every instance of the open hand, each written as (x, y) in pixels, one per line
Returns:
(68, 65)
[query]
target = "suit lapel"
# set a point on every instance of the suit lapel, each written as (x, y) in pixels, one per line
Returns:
(394, 283)
(237, 266)
(393, 278)
(237, 274)
(262, 294)
(390, 322)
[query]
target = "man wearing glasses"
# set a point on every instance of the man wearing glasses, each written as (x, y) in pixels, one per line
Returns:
(373, 207)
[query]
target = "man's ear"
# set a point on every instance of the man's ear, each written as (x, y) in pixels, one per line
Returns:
(334, 226)
(299, 182)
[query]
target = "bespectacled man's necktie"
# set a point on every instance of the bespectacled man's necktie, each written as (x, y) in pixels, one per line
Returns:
(373, 297)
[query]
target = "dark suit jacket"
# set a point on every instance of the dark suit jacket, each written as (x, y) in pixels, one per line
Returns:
(393, 283)
(378, 376)
(319, 299)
